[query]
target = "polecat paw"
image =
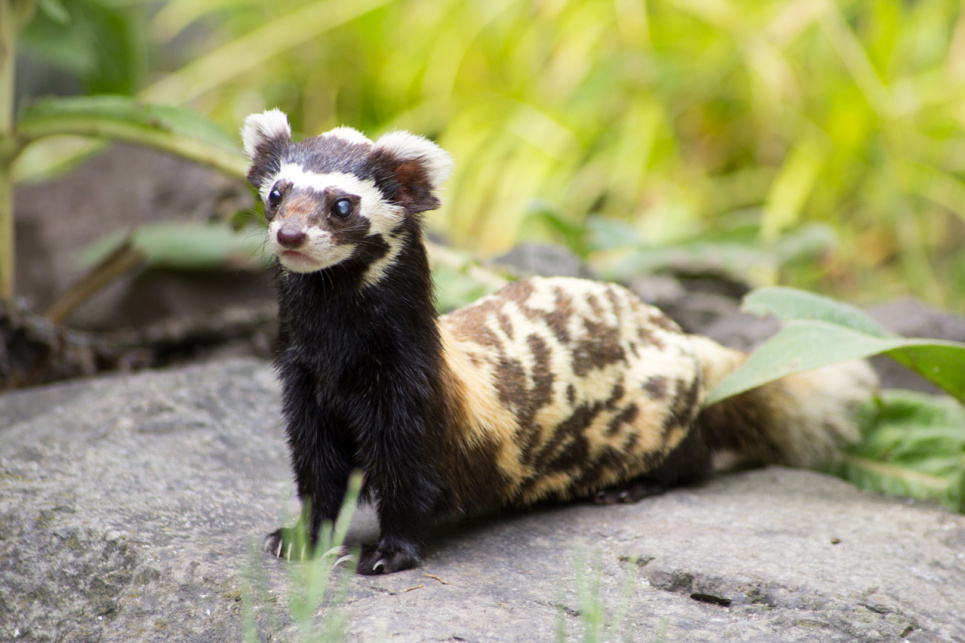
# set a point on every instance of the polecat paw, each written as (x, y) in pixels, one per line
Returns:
(376, 560)
(283, 543)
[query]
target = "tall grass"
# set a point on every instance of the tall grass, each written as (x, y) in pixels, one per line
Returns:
(746, 123)
(681, 118)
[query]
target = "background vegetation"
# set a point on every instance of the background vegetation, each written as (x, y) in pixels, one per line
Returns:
(811, 143)
(808, 142)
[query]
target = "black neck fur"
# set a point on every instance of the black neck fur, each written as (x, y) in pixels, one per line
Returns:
(370, 357)
(335, 314)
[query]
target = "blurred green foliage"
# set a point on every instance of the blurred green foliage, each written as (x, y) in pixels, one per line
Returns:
(100, 43)
(686, 122)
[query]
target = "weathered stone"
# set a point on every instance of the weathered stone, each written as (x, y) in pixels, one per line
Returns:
(132, 508)
(544, 260)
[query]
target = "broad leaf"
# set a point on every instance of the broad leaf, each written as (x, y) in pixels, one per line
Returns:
(913, 445)
(188, 246)
(789, 304)
(820, 332)
(172, 129)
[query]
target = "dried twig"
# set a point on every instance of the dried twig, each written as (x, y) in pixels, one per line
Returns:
(124, 259)
(435, 577)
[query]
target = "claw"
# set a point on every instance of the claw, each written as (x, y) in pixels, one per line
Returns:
(343, 559)
(281, 543)
(336, 551)
(381, 563)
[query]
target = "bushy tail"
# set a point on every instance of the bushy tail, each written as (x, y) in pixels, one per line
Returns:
(801, 420)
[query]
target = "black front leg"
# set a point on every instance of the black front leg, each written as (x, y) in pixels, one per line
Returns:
(408, 488)
(321, 454)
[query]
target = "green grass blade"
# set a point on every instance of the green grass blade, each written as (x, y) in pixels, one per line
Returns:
(256, 48)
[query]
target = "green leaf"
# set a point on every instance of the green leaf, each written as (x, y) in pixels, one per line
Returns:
(187, 246)
(913, 445)
(820, 332)
(55, 11)
(171, 129)
(789, 304)
(101, 44)
(607, 233)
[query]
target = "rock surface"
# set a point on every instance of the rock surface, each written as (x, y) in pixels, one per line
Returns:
(131, 508)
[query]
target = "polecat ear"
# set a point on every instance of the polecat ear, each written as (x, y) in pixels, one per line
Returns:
(410, 169)
(265, 136)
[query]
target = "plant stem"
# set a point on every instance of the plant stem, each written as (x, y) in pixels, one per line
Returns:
(13, 14)
(6, 231)
(8, 39)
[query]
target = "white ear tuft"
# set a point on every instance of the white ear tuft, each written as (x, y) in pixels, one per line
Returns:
(349, 135)
(261, 128)
(409, 147)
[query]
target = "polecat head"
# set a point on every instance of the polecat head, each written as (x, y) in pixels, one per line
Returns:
(339, 196)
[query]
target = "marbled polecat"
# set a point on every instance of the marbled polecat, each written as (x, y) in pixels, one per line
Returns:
(548, 389)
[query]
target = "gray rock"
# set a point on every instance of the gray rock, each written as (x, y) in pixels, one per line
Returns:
(127, 503)
(695, 304)
(544, 260)
(742, 331)
(132, 508)
(123, 187)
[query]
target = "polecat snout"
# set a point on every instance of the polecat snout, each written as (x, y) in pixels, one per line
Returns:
(550, 388)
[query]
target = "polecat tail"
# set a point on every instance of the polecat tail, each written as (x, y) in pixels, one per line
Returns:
(801, 420)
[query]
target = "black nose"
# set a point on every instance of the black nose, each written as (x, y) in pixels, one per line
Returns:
(291, 237)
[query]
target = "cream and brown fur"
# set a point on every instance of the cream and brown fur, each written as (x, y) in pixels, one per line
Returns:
(551, 388)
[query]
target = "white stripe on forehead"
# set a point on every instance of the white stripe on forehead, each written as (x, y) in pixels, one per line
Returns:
(384, 217)
(299, 177)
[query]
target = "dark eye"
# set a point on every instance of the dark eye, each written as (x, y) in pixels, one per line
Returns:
(342, 208)
(274, 198)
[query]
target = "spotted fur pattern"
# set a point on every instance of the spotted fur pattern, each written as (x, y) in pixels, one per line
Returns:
(576, 384)
(548, 389)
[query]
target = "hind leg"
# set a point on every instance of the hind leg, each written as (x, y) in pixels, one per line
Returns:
(689, 462)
